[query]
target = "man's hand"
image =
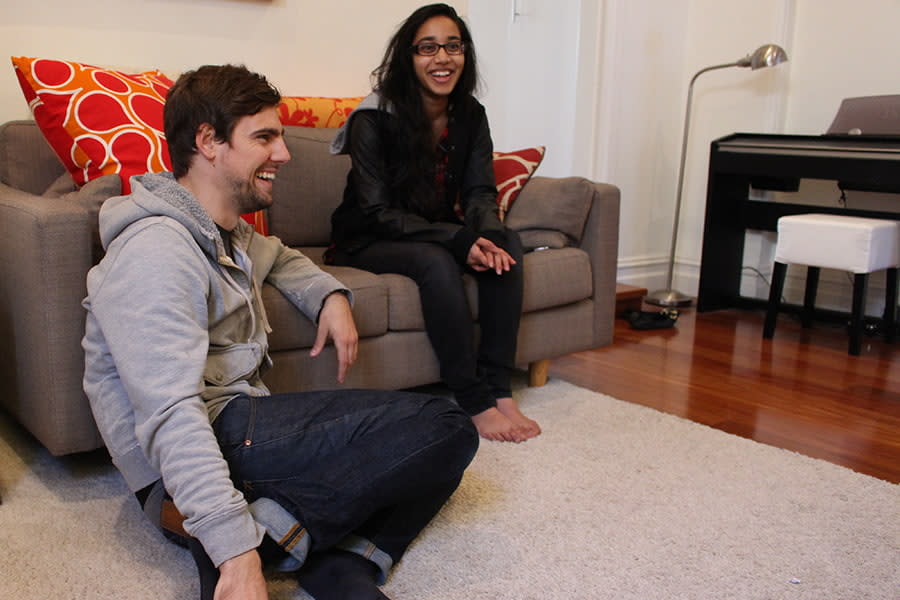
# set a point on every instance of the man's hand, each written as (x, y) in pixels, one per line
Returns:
(336, 322)
(484, 255)
(241, 578)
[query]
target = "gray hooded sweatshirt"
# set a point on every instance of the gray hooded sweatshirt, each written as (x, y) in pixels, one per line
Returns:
(175, 329)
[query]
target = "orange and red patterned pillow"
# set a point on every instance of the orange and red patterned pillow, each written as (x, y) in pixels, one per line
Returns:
(98, 121)
(316, 111)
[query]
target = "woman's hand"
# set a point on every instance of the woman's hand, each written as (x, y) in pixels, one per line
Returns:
(485, 255)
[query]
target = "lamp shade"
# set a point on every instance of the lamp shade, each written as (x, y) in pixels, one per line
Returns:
(764, 56)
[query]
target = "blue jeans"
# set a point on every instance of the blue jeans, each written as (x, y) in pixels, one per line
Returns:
(362, 470)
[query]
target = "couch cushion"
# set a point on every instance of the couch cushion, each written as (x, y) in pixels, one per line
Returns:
(307, 111)
(27, 162)
(552, 212)
(404, 305)
(308, 188)
(291, 329)
(556, 277)
(90, 197)
(552, 278)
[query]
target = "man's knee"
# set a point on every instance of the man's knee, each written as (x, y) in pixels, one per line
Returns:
(454, 428)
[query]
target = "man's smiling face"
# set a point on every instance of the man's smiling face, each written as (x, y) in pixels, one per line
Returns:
(251, 159)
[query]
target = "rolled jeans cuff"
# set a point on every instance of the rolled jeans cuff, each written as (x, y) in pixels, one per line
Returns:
(368, 550)
(287, 532)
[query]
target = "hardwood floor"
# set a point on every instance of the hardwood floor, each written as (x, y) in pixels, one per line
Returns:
(800, 391)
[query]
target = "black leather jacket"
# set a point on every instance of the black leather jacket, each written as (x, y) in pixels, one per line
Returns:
(374, 208)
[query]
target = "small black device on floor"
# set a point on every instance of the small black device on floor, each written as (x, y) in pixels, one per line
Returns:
(642, 319)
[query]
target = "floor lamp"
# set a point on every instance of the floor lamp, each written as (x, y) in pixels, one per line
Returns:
(764, 56)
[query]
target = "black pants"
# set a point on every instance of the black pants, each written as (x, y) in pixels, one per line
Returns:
(477, 376)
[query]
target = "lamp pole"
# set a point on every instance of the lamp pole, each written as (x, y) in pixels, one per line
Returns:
(764, 56)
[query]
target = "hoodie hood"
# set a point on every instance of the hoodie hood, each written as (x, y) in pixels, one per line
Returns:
(158, 194)
(370, 102)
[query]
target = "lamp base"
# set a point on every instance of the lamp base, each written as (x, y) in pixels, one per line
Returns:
(668, 298)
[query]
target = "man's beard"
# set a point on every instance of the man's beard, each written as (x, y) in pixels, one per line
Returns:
(247, 198)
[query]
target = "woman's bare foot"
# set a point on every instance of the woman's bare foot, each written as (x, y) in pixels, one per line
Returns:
(494, 425)
(526, 427)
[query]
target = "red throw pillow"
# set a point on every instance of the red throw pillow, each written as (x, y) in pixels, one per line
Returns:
(98, 121)
(512, 170)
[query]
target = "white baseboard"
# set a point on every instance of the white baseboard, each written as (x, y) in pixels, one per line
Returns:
(835, 290)
(651, 273)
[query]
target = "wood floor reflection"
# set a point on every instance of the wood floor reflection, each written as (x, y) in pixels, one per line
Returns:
(800, 391)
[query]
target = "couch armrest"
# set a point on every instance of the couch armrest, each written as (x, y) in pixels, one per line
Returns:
(601, 242)
(576, 211)
(45, 244)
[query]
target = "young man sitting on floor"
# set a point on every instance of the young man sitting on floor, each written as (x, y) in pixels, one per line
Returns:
(337, 483)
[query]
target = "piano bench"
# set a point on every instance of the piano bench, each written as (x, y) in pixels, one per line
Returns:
(855, 244)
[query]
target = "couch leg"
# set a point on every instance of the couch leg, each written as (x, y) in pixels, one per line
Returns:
(537, 372)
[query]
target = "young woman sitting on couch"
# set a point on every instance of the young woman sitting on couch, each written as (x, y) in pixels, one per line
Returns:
(421, 201)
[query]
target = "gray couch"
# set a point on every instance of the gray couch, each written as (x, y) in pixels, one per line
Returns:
(48, 243)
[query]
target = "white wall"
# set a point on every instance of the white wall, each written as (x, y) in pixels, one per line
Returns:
(642, 103)
(529, 61)
(842, 49)
(306, 47)
(727, 100)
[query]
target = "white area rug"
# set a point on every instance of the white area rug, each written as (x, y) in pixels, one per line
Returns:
(613, 501)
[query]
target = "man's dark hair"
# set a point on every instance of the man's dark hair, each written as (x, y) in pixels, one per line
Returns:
(219, 95)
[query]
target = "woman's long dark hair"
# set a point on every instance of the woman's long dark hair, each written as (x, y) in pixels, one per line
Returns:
(396, 81)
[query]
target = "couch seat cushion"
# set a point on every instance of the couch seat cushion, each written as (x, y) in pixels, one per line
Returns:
(291, 329)
(554, 277)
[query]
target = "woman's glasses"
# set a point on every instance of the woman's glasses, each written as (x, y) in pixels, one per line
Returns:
(432, 48)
